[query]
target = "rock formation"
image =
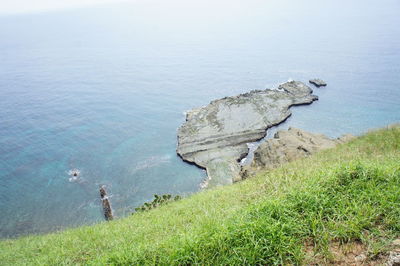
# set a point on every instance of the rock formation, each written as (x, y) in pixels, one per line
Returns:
(108, 215)
(215, 137)
(288, 145)
(318, 82)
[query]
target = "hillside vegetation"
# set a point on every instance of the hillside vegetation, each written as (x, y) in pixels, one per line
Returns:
(291, 215)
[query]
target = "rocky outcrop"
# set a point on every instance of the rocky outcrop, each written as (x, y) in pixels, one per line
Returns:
(215, 137)
(105, 202)
(318, 82)
(289, 145)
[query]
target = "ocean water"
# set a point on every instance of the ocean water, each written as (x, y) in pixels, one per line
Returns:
(104, 89)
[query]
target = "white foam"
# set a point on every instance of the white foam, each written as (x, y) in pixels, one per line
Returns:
(74, 176)
(152, 161)
(74, 171)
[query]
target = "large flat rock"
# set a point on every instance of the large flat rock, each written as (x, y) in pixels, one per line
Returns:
(215, 137)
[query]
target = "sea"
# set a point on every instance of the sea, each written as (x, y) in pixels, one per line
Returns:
(102, 90)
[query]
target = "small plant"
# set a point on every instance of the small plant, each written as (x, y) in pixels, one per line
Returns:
(158, 200)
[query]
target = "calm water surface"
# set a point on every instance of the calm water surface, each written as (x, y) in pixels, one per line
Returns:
(104, 89)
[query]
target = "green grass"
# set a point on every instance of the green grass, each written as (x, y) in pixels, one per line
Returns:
(347, 194)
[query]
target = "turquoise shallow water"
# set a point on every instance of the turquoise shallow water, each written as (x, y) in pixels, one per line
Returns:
(104, 89)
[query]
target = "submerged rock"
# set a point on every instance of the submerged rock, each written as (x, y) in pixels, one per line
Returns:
(318, 82)
(215, 137)
(288, 145)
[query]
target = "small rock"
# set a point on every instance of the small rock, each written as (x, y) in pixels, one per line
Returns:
(318, 82)
(360, 258)
(394, 259)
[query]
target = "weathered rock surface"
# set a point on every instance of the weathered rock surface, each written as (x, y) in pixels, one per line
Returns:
(289, 145)
(318, 82)
(394, 255)
(394, 259)
(215, 137)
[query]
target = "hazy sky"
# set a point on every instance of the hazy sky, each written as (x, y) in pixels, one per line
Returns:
(27, 6)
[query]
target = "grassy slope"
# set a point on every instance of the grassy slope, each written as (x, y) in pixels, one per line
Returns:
(350, 193)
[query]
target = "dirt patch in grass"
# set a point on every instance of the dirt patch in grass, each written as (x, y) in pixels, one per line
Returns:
(354, 253)
(338, 254)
